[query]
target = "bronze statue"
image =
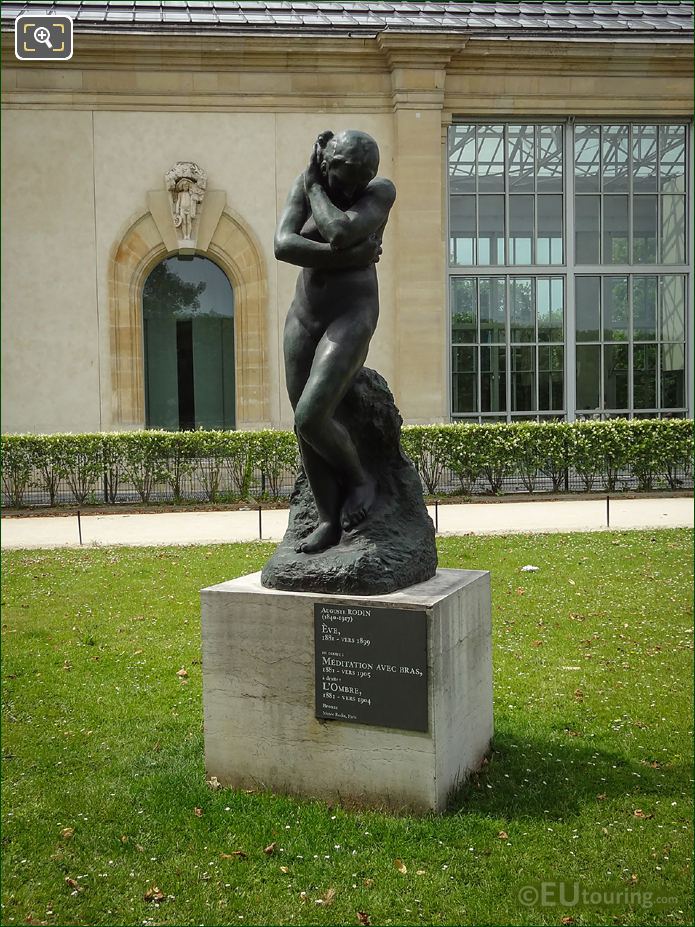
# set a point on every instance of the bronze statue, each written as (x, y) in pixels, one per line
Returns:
(332, 226)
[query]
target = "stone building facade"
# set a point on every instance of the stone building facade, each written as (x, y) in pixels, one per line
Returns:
(457, 95)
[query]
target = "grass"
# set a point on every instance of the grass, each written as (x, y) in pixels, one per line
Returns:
(589, 780)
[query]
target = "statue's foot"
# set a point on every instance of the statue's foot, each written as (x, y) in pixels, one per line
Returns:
(358, 503)
(326, 535)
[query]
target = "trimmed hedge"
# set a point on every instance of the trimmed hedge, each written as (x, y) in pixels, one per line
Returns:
(97, 466)
(649, 449)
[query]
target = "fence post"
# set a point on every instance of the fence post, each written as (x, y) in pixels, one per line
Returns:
(436, 516)
(260, 523)
(608, 511)
(79, 526)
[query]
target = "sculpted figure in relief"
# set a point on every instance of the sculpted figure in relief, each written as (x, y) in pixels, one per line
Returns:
(186, 183)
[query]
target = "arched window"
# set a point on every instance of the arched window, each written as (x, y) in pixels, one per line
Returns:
(188, 324)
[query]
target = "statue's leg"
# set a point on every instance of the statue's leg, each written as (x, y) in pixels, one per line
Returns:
(327, 495)
(338, 357)
(299, 348)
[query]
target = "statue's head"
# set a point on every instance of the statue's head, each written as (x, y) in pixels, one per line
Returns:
(350, 160)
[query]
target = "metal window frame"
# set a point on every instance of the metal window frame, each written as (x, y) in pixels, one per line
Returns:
(535, 343)
(507, 270)
(658, 193)
(505, 266)
(569, 269)
(602, 342)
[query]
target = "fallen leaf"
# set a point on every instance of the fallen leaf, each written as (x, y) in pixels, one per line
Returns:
(520, 590)
(604, 830)
(572, 582)
(363, 918)
(421, 872)
(124, 839)
(214, 783)
(139, 848)
(601, 797)
(503, 835)
(568, 920)
(633, 878)
(284, 869)
(537, 644)
(400, 866)
(578, 695)
(303, 897)
(329, 897)
(71, 882)
(270, 849)
(182, 673)
(198, 812)
(154, 894)
(67, 832)
(368, 883)
(235, 854)
(638, 813)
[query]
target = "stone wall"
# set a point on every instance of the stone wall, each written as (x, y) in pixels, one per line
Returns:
(87, 143)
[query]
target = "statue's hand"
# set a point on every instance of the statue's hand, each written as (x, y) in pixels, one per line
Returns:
(312, 174)
(364, 252)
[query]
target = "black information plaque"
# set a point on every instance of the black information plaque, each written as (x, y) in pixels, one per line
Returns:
(371, 665)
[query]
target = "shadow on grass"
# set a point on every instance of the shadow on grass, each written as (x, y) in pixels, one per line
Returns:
(527, 777)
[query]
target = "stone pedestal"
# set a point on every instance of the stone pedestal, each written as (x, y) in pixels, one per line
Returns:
(259, 696)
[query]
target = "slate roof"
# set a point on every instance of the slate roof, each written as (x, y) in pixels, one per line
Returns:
(626, 20)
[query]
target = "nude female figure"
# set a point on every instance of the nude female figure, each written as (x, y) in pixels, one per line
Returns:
(331, 227)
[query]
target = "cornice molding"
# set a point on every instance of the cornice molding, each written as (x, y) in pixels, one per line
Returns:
(583, 58)
(384, 52)
(433, 52)
(213, 53)
(408, 71)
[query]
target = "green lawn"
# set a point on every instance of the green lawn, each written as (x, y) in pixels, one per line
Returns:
(589, 780)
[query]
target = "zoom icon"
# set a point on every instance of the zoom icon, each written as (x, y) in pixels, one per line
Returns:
(43, 38)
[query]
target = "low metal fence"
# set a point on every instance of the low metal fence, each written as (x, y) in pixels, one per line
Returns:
(206, 484)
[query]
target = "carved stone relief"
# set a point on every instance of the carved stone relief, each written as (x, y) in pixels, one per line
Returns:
(186, 183)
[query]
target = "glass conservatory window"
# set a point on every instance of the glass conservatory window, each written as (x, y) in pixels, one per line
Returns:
(568, 273)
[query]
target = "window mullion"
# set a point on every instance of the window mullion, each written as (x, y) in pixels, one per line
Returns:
(630, 349)
(657, 338)
(507, 348)
(478, 351)
(536, 373)
(690, 353)
(447, 238)
(570, 385)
